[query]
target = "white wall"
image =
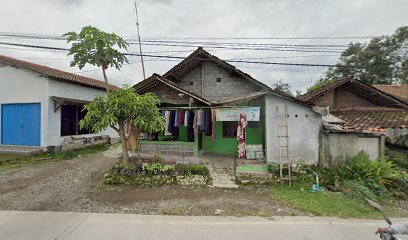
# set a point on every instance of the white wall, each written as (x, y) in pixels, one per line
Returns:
(67, 90)
(18, 85)
(335, 147)
(303, 130)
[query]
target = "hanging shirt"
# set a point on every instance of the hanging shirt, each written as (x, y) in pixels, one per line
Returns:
(241, 135)
(186, 118)
(195, 122)
(171, 122)
(176, 113)
(166, 127)
(207, 123)
(181, 117)
(213, 121)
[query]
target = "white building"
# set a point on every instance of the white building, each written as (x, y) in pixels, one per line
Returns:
(41, 106)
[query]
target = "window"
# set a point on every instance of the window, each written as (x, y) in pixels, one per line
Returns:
(70, 117)
(219, 79)
(229, 129)
(191, 83)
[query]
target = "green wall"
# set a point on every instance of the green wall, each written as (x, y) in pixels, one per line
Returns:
(183, 134)
(229, 145)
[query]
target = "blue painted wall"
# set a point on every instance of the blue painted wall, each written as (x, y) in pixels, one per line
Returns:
(21, 124)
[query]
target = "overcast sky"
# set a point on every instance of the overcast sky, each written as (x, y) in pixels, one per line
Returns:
(194, 20)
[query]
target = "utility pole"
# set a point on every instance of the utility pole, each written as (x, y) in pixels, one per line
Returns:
(140, 44)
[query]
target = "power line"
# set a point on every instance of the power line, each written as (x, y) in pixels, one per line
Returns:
(175, 57)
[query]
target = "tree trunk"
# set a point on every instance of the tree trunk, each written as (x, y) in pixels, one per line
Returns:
(106, 79)
(125, 153)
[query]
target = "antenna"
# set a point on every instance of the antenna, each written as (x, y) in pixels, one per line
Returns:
(140, 44)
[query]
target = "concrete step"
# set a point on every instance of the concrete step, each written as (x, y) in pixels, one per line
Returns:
(20, 150)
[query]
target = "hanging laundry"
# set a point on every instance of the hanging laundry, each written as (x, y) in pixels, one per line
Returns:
(166, 127)
(181, 117)
(207, 123)
(198, 120)
(202, 120)
(176, 113)
(213, 121)
(172, 129)
(186, 117)
(241, 135)
(190, 129)
(195, 123)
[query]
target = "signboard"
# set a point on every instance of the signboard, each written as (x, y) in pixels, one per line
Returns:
(232, 114)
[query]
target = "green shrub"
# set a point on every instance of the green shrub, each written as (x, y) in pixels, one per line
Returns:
(361, 177)
(157, 157)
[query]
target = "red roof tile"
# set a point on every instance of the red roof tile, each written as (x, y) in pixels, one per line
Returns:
(399, 91)
(374, 119)
(55, 74)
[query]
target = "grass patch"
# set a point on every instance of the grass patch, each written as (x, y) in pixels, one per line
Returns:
(53, 156)
(324, 203)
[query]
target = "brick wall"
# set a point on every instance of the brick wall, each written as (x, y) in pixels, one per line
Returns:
(346, 98)
(325, 100)
(340, 98)
(167, 94)
(71, 143)
(231, 86)
(164, 149)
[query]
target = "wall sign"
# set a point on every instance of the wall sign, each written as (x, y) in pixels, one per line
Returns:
(232, 114)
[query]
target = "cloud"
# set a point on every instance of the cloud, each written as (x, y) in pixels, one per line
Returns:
(164, 20)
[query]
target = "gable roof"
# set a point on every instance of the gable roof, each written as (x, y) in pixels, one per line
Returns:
(199, 56)
(55, 74)
(399, 91)
(364, 90)
(155, 79)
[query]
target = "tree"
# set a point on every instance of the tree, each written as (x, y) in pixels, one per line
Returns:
(98, 48)
(383, 60)
(282, 86)
(122, 107)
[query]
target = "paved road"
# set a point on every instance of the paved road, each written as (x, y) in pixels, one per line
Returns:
(56, 225)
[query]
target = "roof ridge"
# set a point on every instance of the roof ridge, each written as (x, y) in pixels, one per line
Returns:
(55, 73)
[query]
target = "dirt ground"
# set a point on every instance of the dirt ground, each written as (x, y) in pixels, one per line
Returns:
(76, 185)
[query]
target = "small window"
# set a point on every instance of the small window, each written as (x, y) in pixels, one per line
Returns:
(70, 117)
(218, 79)
(191, 83)
(229, 129)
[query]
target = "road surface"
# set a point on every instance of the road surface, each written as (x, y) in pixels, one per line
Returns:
(60, 225)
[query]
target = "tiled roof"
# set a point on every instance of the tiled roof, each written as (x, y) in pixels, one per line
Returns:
(321, 90)
(55, 74)
(361, 89)
(399, 91)
(375, 119)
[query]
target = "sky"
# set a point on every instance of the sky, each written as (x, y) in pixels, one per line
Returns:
(230, 24)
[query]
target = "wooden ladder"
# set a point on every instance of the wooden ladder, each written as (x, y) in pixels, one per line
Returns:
(283, 142)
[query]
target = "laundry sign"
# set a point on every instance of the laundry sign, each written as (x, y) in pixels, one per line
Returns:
(232, 114)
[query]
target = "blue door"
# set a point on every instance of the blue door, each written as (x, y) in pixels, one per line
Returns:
(21, 124)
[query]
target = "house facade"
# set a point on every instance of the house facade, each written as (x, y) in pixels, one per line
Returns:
(204, 82)
(41, 106)
(364, 108)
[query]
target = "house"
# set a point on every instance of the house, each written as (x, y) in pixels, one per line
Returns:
(204, 82)
(365, 108)
(41, 106)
